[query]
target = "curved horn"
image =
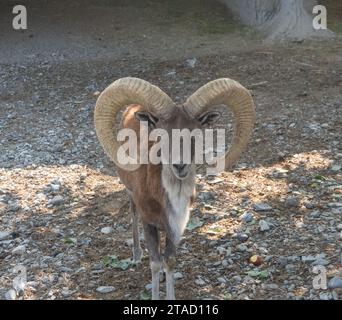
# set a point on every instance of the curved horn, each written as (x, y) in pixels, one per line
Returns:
(120, 93)
(232, 94)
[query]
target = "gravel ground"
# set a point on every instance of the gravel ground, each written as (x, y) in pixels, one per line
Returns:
(64, 214)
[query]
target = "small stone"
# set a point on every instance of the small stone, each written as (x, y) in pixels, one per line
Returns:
(246, 217)
(335, 204)
(270, 286)
(315, 214)
(148, 287)
(129, 242)
(264, 226)
(242, 247)
(19, 250)
(214, 181)
(262, 207)
(300, 224)
(290, 268)
(107, 230)
(339, 227)
(65, 269)
(11, 295)
(309, 205)
(309, 258)
(55, 187)
(221, 280)
(320, 262)
(55, 201)
(105, 289)
(206, 196)
(221, 250)
(291, 202)
(243, 237)
(293, 258)
(200, 282)
(13, 207)
(217, 263)
(66, 292)
(80, 270)
(335, 283)
(4, 235)
(326, 296)
(178, 275)
(237, 279)
(336, 167)
(172, 73)
(225, 263)
(282, 261)
(191, 62)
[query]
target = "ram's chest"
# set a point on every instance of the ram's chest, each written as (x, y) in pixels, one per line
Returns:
(178, 201)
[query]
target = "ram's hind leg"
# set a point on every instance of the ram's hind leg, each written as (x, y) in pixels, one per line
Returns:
(137, 252)
(152, 242)
(169, 265)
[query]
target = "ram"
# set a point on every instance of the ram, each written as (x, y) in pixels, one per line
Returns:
(162, 193)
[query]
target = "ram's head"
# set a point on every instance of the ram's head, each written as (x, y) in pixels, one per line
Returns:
(160, 112)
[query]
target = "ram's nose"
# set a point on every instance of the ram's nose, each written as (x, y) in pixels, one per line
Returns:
(179, 167)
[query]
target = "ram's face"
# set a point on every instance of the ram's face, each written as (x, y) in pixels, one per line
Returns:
(179, 138)
(164, 114)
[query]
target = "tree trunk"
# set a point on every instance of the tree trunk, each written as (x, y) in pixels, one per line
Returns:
(289, 19)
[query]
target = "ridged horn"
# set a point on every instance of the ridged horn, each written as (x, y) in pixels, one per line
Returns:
(231, 94)
(123, 92)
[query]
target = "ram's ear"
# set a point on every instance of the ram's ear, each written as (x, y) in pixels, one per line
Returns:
(209, 117)
(146, 116)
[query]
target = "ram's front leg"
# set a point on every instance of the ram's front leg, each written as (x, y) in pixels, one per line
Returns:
(169, 265)
(153, 246)
(137, 252)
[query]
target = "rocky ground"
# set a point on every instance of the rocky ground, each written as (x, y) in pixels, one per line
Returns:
(64, 216)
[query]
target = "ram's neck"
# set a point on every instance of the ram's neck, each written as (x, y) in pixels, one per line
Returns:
(178, 195)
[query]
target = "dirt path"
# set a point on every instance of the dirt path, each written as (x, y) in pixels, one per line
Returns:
(83, 30)
(58, 190)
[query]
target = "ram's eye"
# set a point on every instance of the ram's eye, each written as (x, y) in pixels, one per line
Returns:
(147, 117)
(209, 117)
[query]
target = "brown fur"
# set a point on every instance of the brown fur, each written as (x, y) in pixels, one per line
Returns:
(148, 199)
